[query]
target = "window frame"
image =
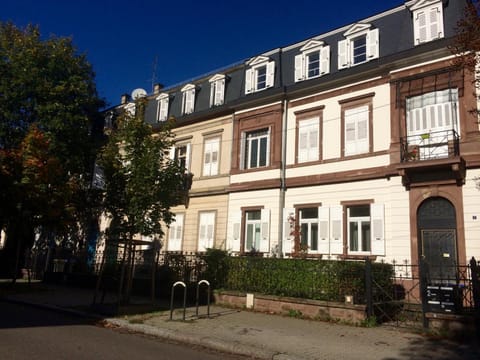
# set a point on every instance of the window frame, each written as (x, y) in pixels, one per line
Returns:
(188, 99)
(351, 104)
(217, 90)
(306, 116)
(208, 142)
(176, 231)
(210, 240)
(425, 8)
(346, 55)
(174, 153)
(264, 228)
(252, 74)
(246, 155)
(162, 107)
(302, 60)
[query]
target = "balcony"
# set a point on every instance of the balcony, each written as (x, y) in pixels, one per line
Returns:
(431, 158)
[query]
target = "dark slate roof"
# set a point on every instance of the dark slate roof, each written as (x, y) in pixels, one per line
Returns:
(396, 42)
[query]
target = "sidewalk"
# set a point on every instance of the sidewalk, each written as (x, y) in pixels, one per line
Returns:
(260, 335)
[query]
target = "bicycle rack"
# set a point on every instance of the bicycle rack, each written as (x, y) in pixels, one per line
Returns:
(184, 298)
(208, 296)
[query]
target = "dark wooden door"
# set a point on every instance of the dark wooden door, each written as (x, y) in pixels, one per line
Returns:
(438, 240)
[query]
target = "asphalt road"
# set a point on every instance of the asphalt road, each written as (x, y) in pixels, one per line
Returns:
(33, 333)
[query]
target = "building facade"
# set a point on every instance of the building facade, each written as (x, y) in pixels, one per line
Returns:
(355, 143)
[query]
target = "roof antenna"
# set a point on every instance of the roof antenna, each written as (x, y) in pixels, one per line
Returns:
(154, 73)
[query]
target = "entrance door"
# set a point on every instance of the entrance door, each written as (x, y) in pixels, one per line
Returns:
(438, 240)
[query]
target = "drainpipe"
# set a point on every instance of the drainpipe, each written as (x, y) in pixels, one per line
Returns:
(283, 186)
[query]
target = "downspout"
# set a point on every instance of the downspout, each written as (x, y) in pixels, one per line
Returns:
(283, 170)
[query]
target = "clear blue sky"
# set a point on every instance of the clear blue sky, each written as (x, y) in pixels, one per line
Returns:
(188, 38)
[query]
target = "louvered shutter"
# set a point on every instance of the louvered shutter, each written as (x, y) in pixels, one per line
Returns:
(235, 231)
(350, 133)
(323, 230)
(372, 44)
(206, 231)
(187, 157)
(215, 149)
(242, 163)
(325, 60)
(213, 87)
(299, 67)
(303, 143)
(336, 229)
(288, 238)
(343, 58)
(219, 92)
(163, 109)
(420, 27)
(270, 74)
(189, 101)
(248, 81)
(377, 216)
(176, 234)
(265, 231)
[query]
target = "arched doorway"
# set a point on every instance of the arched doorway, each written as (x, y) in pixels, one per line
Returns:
(437, 232)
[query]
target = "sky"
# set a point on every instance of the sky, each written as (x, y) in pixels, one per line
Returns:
(137, 43)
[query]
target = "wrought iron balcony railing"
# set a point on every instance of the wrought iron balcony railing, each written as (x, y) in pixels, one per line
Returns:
(430, 146)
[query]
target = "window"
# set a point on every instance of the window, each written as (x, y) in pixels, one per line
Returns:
(175, 234)
(256, 231)
(313, 61)
(358, 228)
(210, 156)
(427, 20)
(217, 90)
(430, 119)
(260, 75)
(361, 45)
(162, 107)
(256, 148)
(253, 227)
(308, 140)
(181, 154)
(356, 130)
(308, 223)
(188, 99)
(206, 231)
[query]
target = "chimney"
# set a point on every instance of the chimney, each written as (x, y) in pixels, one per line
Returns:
(124, 99)
(156, 88)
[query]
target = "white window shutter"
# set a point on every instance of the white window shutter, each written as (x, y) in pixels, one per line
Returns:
(187, 157)
(215, 150)
(242, 164)
(325, 60)
(436, 22)
(270, 74)
(213, 90)
(420, 27)
(336, 229)
(303, 144)
(372, 44)
(207, 159)
(265, 231)
(249, 81)
(219, 92)
(176, 234)
(235, 231)
(288, 228)
(377, 215)
(206, 231)
(323, 230)
(171, 154)
(299, 67)
(350, 134)
(343, 58)
(162, 111)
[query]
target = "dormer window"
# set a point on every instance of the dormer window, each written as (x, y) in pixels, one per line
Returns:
(427, 20)
(361, 44)
(313, 61)
(260, 75)
(162, 107)
(217, 90)
(188, 99)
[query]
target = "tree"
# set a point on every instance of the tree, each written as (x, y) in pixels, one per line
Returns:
(467, 44)
(49, 110)
(141, 183)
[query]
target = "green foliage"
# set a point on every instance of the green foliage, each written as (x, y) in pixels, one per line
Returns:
(140, 178)
(49, 109)
(311, 279)
(217, 266)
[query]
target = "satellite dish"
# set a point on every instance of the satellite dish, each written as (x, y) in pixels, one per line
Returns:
(138, 93)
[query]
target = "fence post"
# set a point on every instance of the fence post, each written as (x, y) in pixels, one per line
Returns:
(476, 292)
(423, 291)
(369, 287)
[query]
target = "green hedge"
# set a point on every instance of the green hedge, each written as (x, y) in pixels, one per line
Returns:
(326, 280)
